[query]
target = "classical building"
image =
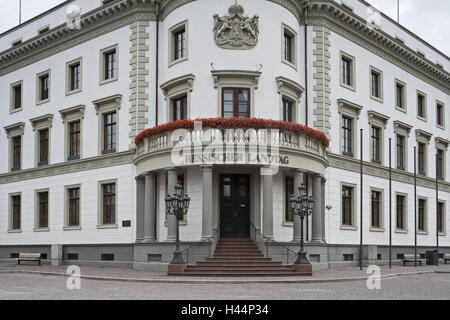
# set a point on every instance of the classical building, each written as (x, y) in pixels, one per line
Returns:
(108, 105)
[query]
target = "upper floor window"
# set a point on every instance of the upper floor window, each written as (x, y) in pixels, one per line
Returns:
(72, 119)
(73, 76)
(108, 123)
(440, 161)
(109, 67)
(43, 150)
(179, 108)
(421, 157)
(289, 191)
(376, 84)
(236, 102)
(109, 132)
(440, 115)
(288, 112)
(400, 144)
(74, 140)
(347, 136)
(400, 96)
(43, 87)
(16, 96)
(421, 106)
(15, 133)
(376, 140)
(178, 43)
(16, 153)
(289, 46)
(347, 71)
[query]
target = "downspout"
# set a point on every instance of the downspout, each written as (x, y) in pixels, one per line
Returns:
(157, 66)
(305, 14)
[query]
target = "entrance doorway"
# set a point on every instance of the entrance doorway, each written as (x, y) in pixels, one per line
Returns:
(235, 206)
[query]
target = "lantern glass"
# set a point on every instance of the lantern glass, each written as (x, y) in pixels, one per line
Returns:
(302, 190)
(304, 201)
(311, 203)
(174, 201)
(178, 189)
(187, 201)
(292, 202)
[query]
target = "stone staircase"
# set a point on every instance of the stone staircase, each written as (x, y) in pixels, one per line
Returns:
(237, 257)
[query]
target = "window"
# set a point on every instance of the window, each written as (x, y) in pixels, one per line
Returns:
(178, 43)
(400, 95)
(288, 106)
(109, 69)
(347, 206)
(347, 143)
(42, 210)
(422, 218)
(73, 195)
(440, 160)
(16, 153)
(289, 46)
(109, 133)
(376, 151)
(376, 84)
(421, 106)
(43, 87)
(16, 97)
(179, 108)
(289, 191)
(400, 152)
(421, 158)
(73, 76)
(74, 140)
(347, 71)
(108, 204)
(401, 212)
(15, 212)
(43, 147)
(441, 218)
(236, 102)
(440, 115)
(376, 212)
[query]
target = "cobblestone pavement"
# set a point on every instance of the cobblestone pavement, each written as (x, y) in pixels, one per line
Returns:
(130, 273)
(33, 286)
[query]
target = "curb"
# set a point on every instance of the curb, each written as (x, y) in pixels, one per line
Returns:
(218, 281)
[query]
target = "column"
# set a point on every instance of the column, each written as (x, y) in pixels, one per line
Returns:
(317, 210)
(140, 208)
(150, 214)
(171, 219)
(299, 179)
(324, 181)
(207, 202)
(267, 181)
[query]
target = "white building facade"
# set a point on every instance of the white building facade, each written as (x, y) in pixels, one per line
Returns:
(89, 111)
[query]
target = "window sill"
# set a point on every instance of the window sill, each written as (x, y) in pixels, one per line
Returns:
(290, 64)
(15, 231)
(105, 152)
(42, 101)
(15, 110)
(74, 158)
(380, 100)
(442, 234)
(377, 162)
(440, 127)
(103, 82)
(107, 226)
(71, 228)
(15, 169)
(423, 119)
(381, 230)
(183, 223)
(42, 164)
(401, 109)
(174, 62)
(349, 228)
(348, 87)
(287, 224)
(424, 233)
(349, 155)
(69, 93)
(401, 231)
(41, 230)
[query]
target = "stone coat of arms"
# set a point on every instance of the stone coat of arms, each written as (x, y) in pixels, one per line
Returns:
(236, 31)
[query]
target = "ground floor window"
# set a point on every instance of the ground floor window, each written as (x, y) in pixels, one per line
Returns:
(289, 187)
(109, 203)
(401, 212)
(347, 206)
(422, 215)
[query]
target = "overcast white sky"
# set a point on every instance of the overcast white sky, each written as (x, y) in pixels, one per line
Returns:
(429, 19)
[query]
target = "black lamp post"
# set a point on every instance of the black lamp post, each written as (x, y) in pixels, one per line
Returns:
(178, 205)
(302, 206)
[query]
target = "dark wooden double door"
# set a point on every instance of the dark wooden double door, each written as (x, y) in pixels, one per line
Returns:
(235, 206)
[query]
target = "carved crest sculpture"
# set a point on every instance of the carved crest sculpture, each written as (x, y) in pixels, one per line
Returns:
(236, 31)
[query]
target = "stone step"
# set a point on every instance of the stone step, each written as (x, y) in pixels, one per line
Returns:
(241, 273)
(239, 268)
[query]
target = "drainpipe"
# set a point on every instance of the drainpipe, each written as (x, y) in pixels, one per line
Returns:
(157, 65)
(305, 14)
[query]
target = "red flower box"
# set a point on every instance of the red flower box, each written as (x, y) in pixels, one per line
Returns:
(235, 123)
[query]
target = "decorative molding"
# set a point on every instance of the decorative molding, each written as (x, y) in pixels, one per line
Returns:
(423, 135)
(441, 143)
(253, 76)
(43, 121)
(73, 110)
(288, 84)
(186, 81)
(14, 129)
(401, 126)
(114, 100)
(105, 161)
(377, 117)
(236, 31)
(345, 105)
(353, 165)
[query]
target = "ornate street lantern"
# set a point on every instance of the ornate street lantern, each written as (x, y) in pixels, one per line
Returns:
(301, 206)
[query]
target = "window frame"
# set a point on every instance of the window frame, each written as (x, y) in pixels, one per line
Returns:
(379, 228)
(379, 73)
(443, 232)
(442, 105)
(12, 99)
(172, 32)
(424, 95)
(175, 88)
(12, 132)
(352, 71)
(103, 53)
(351, 110)
(100, 206)
(11, 228)
(404, 96)
(290, 90)
(106, 106)
(39, 77)
(42, 123)
(183, 107)
(286, 197)
(442, 144)
(69, 66)
(37, 211)
(286, 30)
(404, 213)
(379, 121)
(425, 231)
(67, 226)
(404, 130)
(424, 138)
(69, 116)
(236, 101)
(354, 225)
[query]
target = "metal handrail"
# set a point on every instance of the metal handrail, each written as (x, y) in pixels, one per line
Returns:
(197, 245)
(295, 254)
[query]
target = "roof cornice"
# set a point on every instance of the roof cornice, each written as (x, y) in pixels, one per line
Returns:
(332, 15)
